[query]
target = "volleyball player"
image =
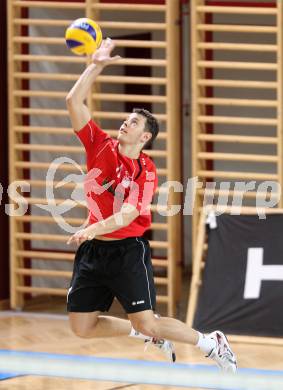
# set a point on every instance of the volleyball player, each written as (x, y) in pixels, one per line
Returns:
(113, 259)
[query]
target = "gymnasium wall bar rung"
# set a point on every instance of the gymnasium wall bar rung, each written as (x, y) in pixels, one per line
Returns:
(75, 221)
(37, 129)
(62, 292)
(160, 263)
(46, 219)
(237, 84)
(238, 102)
(133, 25)
(259, 158)
(64, 167)
(42, 290)
(71, 185)
(100, 79)
(80, 60)
(42, 272)
(134, 43)
(42, 22)
(104, 24)
(66, 131)
(124, 97)
(48, 148)
(237, 175)
(67, 274)
(78, 221)
(69, 202)
(98, 6)
(57, 112)
(129, 7)
(72, 149)
(235, 193)
(57, 201)
(96, 114)
(45, 255)
(49, 4)
(43, 94)
(237, 47)
(62, 41)
(237, 65)
(237, 28)
(245, 139)
(237, 120)
(64, 256)
(40, 40)
(63, 238)
(45, 76)
(121, 115)
(237, 10)
(247, 210)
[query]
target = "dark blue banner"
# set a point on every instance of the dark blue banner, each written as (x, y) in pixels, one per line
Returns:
(242, 284)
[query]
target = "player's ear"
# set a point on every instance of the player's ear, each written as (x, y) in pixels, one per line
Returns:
(146, 136)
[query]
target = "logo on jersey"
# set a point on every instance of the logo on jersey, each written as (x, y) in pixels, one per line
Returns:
(118, 194)
(126, 182)
(110, 188)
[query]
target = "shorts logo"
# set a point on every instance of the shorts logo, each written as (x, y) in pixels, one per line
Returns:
(137, 303)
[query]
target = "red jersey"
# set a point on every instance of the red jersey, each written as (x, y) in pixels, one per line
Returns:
(114, 179)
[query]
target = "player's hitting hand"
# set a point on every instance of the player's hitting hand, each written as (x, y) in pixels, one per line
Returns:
(102, 56)
(80, 236)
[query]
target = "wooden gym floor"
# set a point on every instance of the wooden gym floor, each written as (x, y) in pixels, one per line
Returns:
(34, 330)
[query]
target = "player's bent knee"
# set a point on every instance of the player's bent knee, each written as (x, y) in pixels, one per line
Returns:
(148, 328)
(82, 332)
(83, 329)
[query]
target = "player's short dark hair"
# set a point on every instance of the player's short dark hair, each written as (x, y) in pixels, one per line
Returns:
(151, 124)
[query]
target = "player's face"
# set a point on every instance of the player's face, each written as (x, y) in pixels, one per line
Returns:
(132, 130)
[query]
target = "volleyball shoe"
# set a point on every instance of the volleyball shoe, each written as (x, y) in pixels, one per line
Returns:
(166, 346)
(222, 353)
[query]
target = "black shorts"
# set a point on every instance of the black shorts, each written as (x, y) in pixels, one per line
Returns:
(107, 269)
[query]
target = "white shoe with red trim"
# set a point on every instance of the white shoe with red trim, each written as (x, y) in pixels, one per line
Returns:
(165, 346)
(222, 353)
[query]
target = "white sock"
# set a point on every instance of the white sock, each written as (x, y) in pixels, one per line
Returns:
(138, 335)
(205, 343)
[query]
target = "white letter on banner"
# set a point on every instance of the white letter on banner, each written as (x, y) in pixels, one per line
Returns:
(163, 199)
(256, 272)
(275, 187)
(18, 199)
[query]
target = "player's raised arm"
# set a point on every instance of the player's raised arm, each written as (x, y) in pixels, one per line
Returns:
(79, 112)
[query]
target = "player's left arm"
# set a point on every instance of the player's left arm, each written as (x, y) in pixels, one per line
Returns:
(123, 218)
(138, 202)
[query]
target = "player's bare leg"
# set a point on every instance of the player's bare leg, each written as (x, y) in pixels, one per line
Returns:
(95, 325)
(89, 325)
(215, 345)
(163, 327)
